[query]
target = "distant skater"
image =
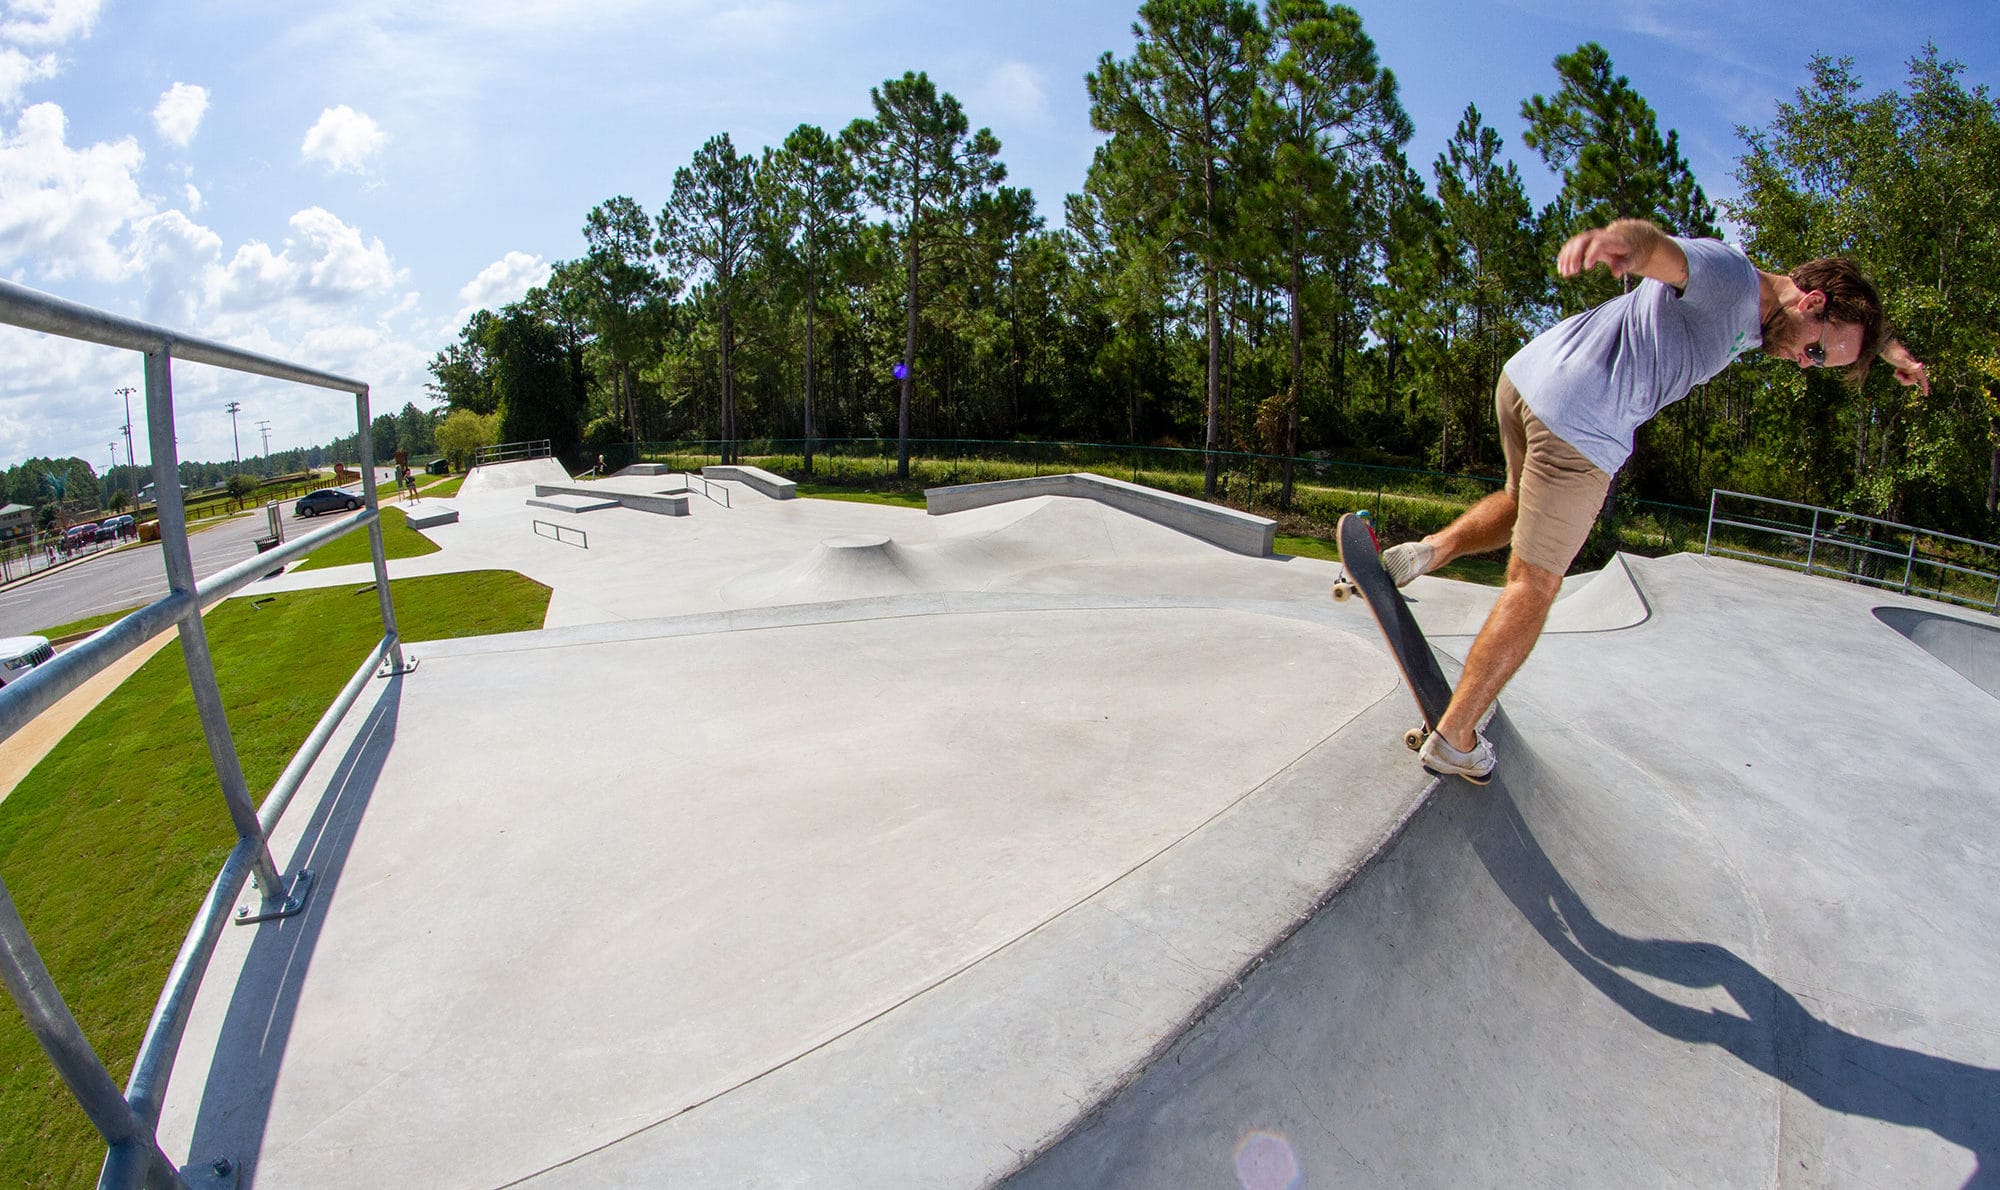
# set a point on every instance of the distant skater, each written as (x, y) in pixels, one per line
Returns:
(1570, 401)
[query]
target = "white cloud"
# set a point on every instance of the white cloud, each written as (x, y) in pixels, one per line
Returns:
(48, 22)
(17, 70)
(62, 209)
(1012, 91)
(324, 262)
(506, 280)
(194, 199)
(179, 112)
(343, 139)
(176, 256)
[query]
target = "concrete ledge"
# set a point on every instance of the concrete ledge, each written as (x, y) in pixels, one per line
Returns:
(424, 520)
(777, 487)
(569, 502)
(646, 469)
(663, 504)
(1240, 532)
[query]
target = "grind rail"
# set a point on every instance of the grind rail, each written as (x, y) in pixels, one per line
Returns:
(128, 1120)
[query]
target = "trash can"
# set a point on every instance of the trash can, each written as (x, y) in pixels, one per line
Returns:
(264, 546)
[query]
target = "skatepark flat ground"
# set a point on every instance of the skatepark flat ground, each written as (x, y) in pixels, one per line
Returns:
(832, 844)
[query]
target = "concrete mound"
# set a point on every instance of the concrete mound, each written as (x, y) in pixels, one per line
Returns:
(858, 566)
(1022, 537)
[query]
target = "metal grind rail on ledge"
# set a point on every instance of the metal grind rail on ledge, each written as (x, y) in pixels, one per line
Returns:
(128, 1119)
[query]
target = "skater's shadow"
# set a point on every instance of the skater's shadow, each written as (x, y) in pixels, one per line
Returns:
(1773, 1033)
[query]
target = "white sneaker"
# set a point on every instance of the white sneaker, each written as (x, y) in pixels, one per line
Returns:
(1440, 759)
(1406, 561)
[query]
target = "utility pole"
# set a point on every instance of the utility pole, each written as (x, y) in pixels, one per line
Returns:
(233, 407)
(127, 392)
(265, 426)
(107, 475)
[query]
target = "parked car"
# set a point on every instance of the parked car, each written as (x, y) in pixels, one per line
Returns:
(79, 535)
(121, 525)
(326, 500)
(19, 654)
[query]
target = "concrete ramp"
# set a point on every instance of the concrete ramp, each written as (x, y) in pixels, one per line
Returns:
(506, 477)
(1971, 650)
(1464, 1016)
(1709, 926)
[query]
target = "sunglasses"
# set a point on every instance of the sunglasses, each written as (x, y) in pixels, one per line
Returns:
(1816, 351)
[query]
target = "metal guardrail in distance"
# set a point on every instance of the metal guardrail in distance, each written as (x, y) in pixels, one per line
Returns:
(1861, 549)
(128, 1120)
(556, 533)
(511, 452)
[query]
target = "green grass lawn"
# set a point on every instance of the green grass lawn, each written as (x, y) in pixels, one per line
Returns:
(821, 491)
(109, 845)
(87, 624)
(398, 541)
(443, 489)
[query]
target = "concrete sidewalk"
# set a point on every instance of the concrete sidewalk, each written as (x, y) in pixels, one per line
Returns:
(835, 844)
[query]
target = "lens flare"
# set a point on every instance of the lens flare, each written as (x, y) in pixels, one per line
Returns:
(1265, 1161)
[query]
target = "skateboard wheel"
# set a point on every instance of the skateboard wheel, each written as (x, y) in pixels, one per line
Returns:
(1413, 739)
(1341, 591)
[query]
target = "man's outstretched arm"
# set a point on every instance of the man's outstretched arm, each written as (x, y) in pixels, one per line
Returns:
(1909, 370)
(1629, 248)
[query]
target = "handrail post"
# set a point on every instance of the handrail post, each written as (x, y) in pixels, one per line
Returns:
(1812, 543)
(365, 442)
(1910, 567)
(194, 637)
(1708, 542)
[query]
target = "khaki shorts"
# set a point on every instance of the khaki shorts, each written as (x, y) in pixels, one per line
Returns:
(1558, 490)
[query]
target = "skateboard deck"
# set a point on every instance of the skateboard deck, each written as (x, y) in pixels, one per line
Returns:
(1361, 573)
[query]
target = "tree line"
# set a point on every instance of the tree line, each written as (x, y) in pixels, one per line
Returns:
(1254, 264)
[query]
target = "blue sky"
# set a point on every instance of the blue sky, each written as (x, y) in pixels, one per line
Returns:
(340, 184)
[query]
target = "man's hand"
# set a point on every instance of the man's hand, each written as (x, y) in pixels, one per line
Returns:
(1909, 370)
(1627, 247)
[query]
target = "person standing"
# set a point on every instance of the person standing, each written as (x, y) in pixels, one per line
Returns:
(1571, 400)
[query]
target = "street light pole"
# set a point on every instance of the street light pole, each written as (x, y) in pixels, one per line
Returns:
(233, 407)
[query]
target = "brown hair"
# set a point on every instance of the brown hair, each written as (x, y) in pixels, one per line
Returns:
(1850, 297)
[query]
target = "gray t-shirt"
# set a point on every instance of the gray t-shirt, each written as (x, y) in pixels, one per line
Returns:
(1595, 378)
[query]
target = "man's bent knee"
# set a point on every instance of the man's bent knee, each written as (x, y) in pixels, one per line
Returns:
(1532, 579)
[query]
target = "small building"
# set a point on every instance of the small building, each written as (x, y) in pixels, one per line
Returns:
(16, 520)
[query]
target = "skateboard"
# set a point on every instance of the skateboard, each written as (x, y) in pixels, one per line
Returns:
(1361, 573)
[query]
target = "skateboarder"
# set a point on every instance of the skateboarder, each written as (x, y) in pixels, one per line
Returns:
(1570, 401)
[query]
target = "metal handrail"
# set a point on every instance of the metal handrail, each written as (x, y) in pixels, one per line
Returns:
(508, 452)
(708, 488)
(557, 531)
(129, 1120)
(1815, 537)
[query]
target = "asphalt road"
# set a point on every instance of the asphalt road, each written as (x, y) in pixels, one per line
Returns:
(128, 578)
